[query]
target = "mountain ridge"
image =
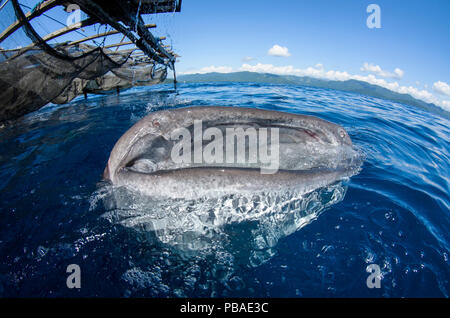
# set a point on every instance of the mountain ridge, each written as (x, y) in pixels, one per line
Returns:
(352, 86)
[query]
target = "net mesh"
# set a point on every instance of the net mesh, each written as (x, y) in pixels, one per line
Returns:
(34, 73)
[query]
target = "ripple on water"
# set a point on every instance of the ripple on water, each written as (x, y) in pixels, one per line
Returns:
(55, 212)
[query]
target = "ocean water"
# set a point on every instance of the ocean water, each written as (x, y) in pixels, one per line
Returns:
(55, 210)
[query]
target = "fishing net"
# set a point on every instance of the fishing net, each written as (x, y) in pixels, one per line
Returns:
(34, 72)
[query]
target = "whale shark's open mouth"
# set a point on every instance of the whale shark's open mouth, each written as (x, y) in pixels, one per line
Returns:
(211, 151)
(179, 177)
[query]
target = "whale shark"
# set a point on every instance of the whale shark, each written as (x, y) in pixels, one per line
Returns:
(201, 180)
(307, 153)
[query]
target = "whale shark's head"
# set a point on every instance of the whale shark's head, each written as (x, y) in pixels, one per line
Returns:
(194, 151)
(194, 177)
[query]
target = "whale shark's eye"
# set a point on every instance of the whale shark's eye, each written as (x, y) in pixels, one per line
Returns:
(341, 133)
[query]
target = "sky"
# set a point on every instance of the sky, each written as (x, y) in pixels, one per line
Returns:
(327, 39)
(409, 53)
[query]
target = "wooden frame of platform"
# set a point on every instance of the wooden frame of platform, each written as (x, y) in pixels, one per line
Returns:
(145, 42)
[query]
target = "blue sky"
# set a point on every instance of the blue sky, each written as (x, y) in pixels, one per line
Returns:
(324, 38)
(414, 35)
(413, 38)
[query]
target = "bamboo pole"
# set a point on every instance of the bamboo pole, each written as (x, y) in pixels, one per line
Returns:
(94, 9)
(117, 45)
(47, 5)
(124, 43)
(96, 36)
(4, 4)
(69, 28)
(154, 42)
(44, 6)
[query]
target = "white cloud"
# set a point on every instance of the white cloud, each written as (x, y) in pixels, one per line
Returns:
(278, 50)
(399, 72)
(210, 69)
(446, 104)
(248, 59)
(377, 70)
(318, 71)
(442, 88)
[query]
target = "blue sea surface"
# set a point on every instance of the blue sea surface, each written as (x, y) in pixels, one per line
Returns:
(55, 210)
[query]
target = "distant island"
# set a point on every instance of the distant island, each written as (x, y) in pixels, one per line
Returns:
(353, 86)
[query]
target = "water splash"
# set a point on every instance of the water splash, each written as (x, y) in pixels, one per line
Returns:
(250, 224)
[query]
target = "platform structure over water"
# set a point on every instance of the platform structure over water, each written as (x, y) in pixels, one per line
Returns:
(116, 50)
